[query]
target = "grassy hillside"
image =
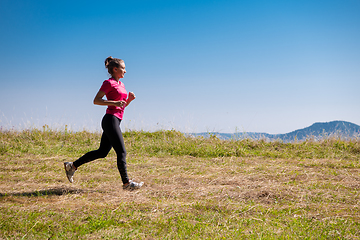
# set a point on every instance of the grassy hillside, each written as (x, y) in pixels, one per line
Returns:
(195, 188)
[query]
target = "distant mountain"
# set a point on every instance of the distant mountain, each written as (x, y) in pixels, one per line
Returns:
(317, 131)
(340, 129)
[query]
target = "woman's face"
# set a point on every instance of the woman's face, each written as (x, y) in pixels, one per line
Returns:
(120, 71)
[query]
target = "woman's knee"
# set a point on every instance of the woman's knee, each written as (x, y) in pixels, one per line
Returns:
(102, 153)
(121, 153)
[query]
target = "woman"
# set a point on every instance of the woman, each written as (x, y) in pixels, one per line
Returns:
(117, 100)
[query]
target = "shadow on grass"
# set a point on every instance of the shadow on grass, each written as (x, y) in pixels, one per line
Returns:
(47, 192)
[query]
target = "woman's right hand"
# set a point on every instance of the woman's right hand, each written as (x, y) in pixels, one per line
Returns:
(120, 103)
(98, 100)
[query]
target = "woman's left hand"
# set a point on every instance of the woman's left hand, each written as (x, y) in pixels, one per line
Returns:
(131, 96)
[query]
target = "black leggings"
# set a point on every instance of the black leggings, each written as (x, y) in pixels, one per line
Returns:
(111, 137)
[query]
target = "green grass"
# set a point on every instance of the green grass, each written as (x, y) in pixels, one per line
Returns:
(195, 188)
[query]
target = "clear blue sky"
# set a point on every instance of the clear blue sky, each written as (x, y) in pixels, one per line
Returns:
(226, 66)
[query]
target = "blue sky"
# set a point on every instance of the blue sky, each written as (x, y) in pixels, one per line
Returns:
(226, 66)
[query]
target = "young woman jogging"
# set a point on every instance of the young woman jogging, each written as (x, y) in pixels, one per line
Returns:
(116, 99)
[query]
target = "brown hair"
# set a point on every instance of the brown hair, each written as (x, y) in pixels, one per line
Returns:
(111, 62)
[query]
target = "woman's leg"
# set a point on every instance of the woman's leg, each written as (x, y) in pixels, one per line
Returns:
(104, 149)
(111, 127)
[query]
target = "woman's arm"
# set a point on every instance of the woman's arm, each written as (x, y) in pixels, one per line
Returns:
(98, 100)
(130, 98)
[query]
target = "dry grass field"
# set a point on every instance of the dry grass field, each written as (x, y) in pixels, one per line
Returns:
(195, 188)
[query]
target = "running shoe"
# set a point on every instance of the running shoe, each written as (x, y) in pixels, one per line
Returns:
(133, 185)
(70, 170)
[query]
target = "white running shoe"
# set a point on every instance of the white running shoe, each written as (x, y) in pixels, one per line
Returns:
(133, 185)
(70, 170)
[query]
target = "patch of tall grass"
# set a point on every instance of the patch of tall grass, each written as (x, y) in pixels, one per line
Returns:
(172, 143)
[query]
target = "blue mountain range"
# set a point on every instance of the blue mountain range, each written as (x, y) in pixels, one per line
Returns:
(317, 131)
